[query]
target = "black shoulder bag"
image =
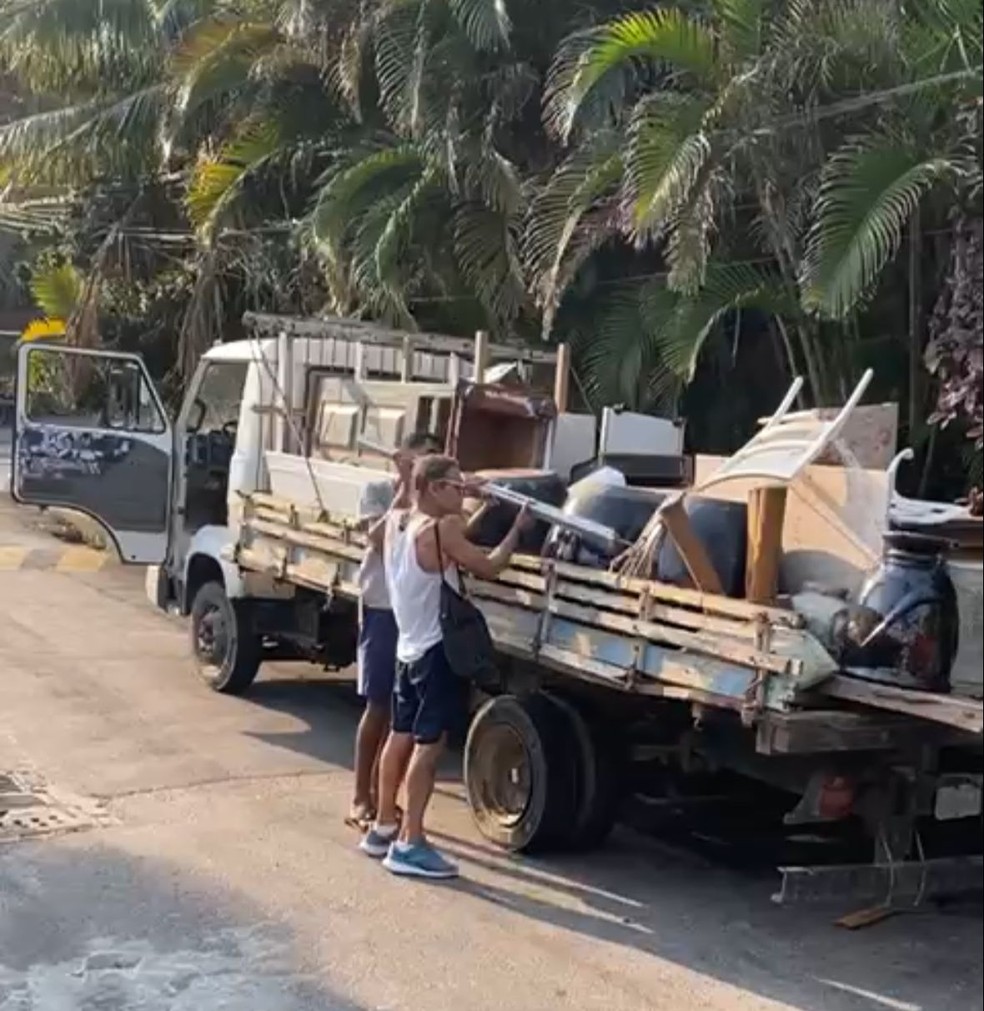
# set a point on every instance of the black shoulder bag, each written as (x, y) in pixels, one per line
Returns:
(467, 642)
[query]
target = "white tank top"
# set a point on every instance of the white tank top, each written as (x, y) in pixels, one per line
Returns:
(415, 595)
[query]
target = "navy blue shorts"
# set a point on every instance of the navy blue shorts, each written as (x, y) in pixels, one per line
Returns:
(429, 697)
(377, 655)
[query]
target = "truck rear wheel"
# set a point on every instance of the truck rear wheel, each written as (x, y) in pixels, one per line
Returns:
(598, 768)
(518, 774)
(227, 655)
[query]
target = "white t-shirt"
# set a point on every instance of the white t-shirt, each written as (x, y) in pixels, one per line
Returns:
(374, 502)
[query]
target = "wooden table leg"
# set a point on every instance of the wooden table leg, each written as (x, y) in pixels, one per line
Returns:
(677, 525)
(766, 514)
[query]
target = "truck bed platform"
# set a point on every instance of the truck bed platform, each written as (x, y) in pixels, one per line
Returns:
(633, 635)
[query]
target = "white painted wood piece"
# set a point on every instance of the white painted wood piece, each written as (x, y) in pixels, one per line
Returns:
(835, 519)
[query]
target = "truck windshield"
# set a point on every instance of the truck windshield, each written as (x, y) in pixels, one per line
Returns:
(219, 396)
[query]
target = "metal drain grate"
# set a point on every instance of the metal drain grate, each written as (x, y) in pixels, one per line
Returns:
(26, 811)
(39, 821)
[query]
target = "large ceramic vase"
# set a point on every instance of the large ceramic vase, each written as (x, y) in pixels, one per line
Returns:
(905, 629)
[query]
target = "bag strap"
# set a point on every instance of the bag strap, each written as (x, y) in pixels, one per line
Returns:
(440, 559)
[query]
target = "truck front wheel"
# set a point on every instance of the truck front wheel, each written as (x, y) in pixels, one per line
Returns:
(227, 653)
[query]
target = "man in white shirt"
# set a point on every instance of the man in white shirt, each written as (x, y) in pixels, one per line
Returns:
(424, 547)
(377, 629)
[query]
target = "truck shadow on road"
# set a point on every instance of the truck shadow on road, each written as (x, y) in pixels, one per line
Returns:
(676, 905)
(721, 924)
(330, 708)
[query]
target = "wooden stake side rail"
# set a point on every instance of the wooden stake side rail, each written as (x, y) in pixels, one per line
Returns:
(631, 633)
(264, 506)
(627, 633)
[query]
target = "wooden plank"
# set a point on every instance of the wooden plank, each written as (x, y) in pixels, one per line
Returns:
(305, 539)
(513, 616)
(710, 603)
(632, 604)
(966, 714)
(766, 512)
(301, 574)
(677, 525)
(483, 590)
(526, 570)
(735, 652)
(816, 731)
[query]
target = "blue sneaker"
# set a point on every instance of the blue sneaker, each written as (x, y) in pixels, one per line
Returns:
(376, 843)
(418, 860)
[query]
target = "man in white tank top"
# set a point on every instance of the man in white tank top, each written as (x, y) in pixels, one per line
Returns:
(377, 628)
(429, 696)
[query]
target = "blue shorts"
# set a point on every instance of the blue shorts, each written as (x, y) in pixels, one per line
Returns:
(377, 655)
(429, 697)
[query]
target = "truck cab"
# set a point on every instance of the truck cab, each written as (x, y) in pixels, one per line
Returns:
(92, 434)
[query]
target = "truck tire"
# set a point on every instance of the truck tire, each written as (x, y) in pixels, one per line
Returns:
(518, 774)
(226, 655)
(598, 768)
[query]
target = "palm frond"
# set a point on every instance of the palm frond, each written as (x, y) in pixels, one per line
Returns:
(727, 288)
(822, 47)
(668, 38)
(740, 25)
(610, 350)
(87, 47)
(493, 178)
(663, 161)
(485, 22)
(398, 230)
(216, 59)
(25, 215)
(943, 36)
(175, 17)
(56, 289)
(384, 299)
(349, 191)
(485, 250)
(688, 244)
(582, 188)
(217, 181)
(75, 144)
(346, 73)
(868, 192)
(398, 60)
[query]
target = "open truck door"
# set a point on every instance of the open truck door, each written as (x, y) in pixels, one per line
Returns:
(91, 435)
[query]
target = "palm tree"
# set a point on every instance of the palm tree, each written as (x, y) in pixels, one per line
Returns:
(709, 134)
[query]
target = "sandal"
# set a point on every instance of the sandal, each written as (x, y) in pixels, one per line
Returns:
(363, 820)
(360, 818)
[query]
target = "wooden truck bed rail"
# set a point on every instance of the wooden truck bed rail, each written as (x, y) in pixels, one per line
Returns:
(633, 634)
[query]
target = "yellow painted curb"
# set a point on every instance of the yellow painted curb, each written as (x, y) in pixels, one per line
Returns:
(77, 558)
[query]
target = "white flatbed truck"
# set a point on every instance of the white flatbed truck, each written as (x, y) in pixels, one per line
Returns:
(598, 669)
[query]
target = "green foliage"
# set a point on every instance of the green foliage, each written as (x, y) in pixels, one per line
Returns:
(643, 179)
(868, 194)
(57, 288)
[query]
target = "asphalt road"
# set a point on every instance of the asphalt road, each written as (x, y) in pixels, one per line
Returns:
(212, 869)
